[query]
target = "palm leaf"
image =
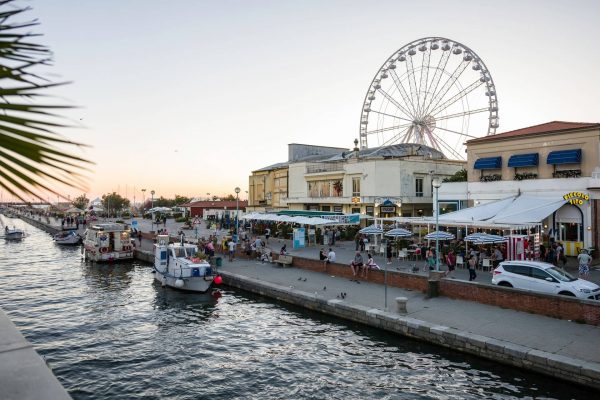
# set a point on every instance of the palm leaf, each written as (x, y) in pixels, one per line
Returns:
(32, 157)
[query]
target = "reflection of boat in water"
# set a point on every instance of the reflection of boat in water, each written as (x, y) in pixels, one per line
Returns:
(178, 265)
(67, 238)
(107, 242)
(14, 233)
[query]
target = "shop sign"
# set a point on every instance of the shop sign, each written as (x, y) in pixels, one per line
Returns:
(387, 209)
(576, 198)
(337, 208)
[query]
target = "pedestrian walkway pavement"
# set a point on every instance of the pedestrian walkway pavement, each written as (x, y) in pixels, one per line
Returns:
(560, 337)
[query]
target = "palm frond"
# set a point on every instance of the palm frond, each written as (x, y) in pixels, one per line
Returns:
(32, 159)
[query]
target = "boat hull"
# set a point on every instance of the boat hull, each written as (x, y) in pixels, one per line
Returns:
(198, 284)
(95, 255)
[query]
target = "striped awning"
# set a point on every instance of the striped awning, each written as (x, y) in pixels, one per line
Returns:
(488, 163)
(523, 160)
(572, 156)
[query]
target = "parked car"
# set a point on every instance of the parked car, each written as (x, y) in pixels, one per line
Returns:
(543, 277)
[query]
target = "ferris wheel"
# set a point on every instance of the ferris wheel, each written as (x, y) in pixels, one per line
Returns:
(432, 91)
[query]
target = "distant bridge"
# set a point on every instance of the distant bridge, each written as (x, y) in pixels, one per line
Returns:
(17, 203)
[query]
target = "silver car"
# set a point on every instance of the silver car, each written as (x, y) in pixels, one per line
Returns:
(543, 277)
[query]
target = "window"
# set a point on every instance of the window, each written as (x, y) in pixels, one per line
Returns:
(356, 187)
(521, 270)
(419, 187)
(356, 211)
(539, 274)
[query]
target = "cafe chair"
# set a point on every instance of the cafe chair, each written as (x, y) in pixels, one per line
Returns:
(460, 262)
(486, 263)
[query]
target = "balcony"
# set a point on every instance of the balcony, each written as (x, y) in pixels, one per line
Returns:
(316, 168)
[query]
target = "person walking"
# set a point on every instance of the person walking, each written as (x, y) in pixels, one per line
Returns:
(584, 264)
(451, 262)
(267, 235)
(388, 251)
(472, 264)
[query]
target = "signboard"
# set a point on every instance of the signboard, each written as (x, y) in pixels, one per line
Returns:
(337, 208)
(133, 223)
(299, 238)
(387, 209)
(576, 198)
(348, 219)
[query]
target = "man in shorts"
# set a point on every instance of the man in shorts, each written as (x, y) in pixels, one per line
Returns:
(357, 263)
(231, 246)
(584, 264)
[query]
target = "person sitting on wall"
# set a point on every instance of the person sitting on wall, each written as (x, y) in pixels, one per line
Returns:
(329, 259)
(322, 255)
(283, 250)
(369, 265)
(357, 263)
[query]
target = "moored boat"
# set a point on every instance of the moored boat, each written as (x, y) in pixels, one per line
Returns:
(13, 234)
(107, 242)
(178, 265)
(67, 238)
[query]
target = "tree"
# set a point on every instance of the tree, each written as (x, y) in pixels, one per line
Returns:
(228, 197)
(459, 176)
(181, 200)
(30, 156)
(81, 202)
(113, 203)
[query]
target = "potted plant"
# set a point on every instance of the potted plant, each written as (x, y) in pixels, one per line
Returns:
(338, 186)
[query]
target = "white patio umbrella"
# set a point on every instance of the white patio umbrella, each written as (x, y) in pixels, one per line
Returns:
(398, 232)
(490, 239)
(439, 235)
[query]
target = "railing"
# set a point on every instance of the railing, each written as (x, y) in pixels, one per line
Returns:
(567, 173)
(324, 167)
(491, 178)
(525, 175)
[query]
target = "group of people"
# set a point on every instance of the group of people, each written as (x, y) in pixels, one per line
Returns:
(358, 266)
(70, 221)
(327, 257)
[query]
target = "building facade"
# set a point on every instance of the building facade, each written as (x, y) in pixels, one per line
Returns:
(551, 161)
(381, 182)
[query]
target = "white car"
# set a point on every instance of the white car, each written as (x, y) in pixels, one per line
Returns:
(543, 277)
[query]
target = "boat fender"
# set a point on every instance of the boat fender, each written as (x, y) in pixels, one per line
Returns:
(103, 249)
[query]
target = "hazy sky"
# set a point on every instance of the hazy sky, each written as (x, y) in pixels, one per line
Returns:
(189, 97)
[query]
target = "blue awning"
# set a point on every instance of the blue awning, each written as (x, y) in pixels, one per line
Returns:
(564, 157)
(523, 160)
(488, 163)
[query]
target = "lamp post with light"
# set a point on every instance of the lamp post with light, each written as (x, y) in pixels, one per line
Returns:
(436, 185)
(152, 214)
(237, 213)
(143, 201)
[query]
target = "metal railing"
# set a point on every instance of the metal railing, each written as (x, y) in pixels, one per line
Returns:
(316, 168)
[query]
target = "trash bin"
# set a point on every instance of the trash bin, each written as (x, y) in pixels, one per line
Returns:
(433, 288)
(218, 261)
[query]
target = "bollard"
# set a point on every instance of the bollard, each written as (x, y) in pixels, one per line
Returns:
(401, 304)
(433, 288)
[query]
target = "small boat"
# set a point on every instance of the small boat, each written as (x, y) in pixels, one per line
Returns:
(67, 238)
(107, 242)
(13, 234)
(178, 265)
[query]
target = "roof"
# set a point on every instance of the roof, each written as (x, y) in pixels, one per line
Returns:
(216, 204)
(548, 127)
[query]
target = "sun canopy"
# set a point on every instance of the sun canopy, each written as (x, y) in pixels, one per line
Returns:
(439, 235)
(287, 218)
(398, 232)
(371, 230)
(572, 156)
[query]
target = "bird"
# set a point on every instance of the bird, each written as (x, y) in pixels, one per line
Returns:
(300, 278)
(324, 287)
(304, 279)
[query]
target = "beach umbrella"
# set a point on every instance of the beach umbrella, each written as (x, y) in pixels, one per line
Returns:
(490, 239)
(371, 230)
(439, 235)
(398, 232)
(473, 237)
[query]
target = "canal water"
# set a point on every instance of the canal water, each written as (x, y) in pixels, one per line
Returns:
(109, 332)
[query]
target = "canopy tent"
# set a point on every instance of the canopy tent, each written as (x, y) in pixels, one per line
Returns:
(159, 209)
(302, 220)
(73, 210)
(528, 210)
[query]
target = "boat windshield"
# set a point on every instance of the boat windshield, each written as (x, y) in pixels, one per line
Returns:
(560, 274)
(178, 252)
(191, 251)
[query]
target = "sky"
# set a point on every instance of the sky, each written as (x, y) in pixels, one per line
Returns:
(188, 97)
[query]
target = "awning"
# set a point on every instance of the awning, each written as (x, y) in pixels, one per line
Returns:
(528, 210)
(488, 163)
(523, 160)
(481, 212)
(572, 156)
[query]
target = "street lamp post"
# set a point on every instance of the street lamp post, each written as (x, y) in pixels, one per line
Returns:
(436, 185)
(143, 201)
(237, 213)
(152, 215)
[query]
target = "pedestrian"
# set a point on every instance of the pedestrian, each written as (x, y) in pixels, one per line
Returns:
(498, 257)
(451, 262)
(357, 240)
(140, 237)
(388, 251)
(267, 235)
(430, 257)
(231, 246)
(357, 263)
(322, 255)
(363, 243)
(551, 255)
(472, 264)
(584, 264)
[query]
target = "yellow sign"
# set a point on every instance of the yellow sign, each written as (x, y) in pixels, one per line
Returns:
(576, 198)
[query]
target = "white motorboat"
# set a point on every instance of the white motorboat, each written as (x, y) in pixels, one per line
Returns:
(107, 242)
(178, 265)
(14, 233)
(67, 238)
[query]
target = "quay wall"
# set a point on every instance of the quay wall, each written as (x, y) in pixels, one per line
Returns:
(39, 224)
(23, 373)
(561, 307)
(565, 368)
